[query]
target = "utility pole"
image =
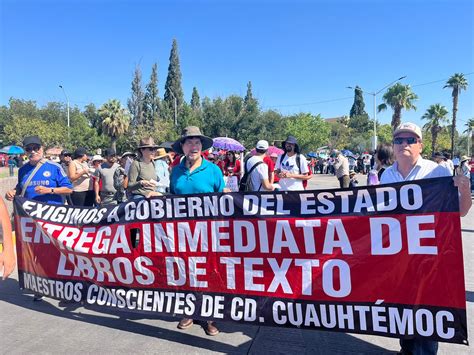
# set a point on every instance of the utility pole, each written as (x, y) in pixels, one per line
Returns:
(67, 103)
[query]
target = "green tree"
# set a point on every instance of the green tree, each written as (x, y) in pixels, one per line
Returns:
(384, 134)
(161, 132)
(399, 97)
(435, 115)
(151, 103)
(249, 100)
(457, 83)
(173, 87)
(135, 103)
(310, 131)
(469, 128)
(358, 107)
(267, 126)
(53, 112)
(115, 120)
(195, 100)
(93, 117)
(51, 133)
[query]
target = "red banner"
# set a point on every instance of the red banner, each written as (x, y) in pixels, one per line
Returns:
(383, 260)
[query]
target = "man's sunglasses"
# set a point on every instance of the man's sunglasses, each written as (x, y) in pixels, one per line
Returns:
(152, 149)
(409, 140)
(34, 147)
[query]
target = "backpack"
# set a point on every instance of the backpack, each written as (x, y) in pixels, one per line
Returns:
(245, 182)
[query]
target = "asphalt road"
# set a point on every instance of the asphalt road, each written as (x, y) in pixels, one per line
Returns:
(54, 327)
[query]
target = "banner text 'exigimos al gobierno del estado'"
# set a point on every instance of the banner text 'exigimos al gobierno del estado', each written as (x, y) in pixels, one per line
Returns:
(384, 260)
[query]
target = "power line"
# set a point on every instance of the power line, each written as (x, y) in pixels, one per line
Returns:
(437, 81)
(312, 103)
(351, 97)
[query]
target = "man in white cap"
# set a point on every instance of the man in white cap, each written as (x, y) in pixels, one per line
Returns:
(409, 165)
(258, 170)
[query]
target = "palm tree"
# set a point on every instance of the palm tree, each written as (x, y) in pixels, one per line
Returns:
(470, 127)
(399, 97)
(115, 120)
(436, 115)
(457, 82)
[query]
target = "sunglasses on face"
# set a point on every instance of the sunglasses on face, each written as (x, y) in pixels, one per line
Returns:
(30, 148)
(409, 140)
(152, 149)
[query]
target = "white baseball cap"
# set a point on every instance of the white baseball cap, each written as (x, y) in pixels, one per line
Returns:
(262, 145)
(408, 127)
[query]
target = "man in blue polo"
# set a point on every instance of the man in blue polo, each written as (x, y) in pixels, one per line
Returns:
(49, 184)
(193, 175)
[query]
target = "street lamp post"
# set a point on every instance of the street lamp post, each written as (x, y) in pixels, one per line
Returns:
(374, 94)
(67, 103)
(175, 109)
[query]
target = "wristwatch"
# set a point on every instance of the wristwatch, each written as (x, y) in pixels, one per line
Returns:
(52, 190)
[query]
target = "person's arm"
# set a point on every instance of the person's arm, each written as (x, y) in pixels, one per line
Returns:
(464, 185)
(43, 190)
(133, 183)
(304, 171)
(267, 185)
(96, 188)
(75, 174)
(7, 257)
(63, 185)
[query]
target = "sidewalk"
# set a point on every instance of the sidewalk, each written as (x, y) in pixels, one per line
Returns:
(54, 327)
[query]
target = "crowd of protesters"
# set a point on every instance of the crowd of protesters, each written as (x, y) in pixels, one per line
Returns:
(191, 167)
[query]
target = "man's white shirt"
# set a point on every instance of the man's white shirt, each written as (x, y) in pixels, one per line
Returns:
(423, 169)
(289, 165)
(258, 174)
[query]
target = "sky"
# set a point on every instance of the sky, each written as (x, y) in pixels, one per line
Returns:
(299, 55)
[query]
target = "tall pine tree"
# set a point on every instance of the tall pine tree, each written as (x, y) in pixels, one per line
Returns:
(135, 103)
(359, 119)
(173, 87)
(248, 100)
(195, 100)
(151, 104)
(358, 107)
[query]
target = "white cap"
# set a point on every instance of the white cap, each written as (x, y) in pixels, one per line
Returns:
(262, 145)
(408, 127)
(97, 157)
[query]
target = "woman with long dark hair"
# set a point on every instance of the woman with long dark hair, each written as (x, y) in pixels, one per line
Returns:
(230, 165)
(384, 158)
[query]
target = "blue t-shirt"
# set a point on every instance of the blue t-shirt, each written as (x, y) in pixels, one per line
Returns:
(50, 175)
(205, 179)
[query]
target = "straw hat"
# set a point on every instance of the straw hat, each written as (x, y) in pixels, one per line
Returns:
(160, 153)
